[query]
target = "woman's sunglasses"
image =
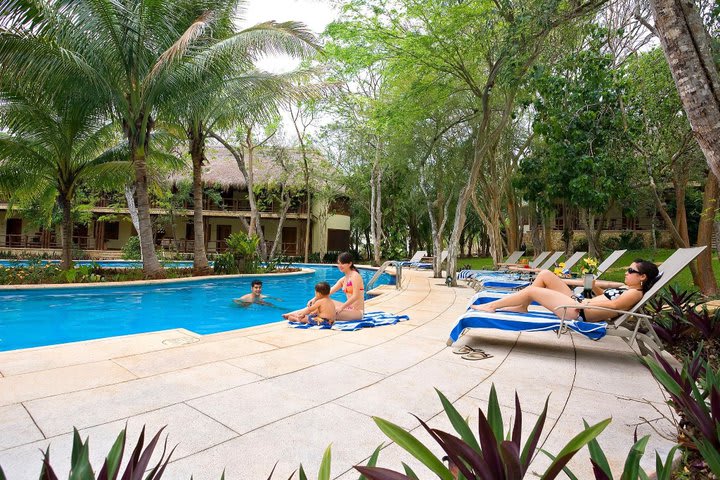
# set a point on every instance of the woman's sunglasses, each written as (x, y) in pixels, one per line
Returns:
(632, 270)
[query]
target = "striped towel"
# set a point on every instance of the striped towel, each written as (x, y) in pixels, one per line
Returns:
(525, 322)
(370, 319)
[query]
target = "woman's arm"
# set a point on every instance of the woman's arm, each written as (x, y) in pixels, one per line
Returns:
(622, 302)
(338, 285)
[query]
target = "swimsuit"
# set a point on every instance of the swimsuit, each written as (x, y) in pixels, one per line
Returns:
(348, 289)
(613, 293)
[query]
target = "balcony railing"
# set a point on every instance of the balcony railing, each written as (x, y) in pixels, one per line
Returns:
(44, 241)
(228, 204)
(216, 246)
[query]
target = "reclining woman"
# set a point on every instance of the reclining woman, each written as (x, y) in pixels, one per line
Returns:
(351, 284)
(551, 292)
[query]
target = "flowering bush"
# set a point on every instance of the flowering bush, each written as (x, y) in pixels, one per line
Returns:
(588, 265)
(560, 270)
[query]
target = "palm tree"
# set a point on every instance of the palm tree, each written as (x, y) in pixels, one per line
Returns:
(138, 55)
(51, 148)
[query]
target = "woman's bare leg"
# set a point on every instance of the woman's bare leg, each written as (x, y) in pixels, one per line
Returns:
(546, 297)
(346, 315)
(547, 279)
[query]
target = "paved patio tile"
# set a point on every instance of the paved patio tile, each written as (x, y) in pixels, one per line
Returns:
(392, 357)
(615, 372)
(56, 415)
(252, 406)
(187, 429)
(297, 357)
(186, 356)
(19, 388)
(17, 427)
(44, 358)
(413, 391)
(290, 442)
(617, 438)
(375, 336)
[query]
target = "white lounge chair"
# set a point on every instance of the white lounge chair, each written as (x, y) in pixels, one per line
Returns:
(512, 259)
(642, 332)
(425, 264)
(415, 258)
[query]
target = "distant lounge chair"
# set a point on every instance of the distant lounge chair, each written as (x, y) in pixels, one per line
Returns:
(642, 332)
(503, 267)
(415, 258)
(512, 259)
(429, 264)
(512, 278)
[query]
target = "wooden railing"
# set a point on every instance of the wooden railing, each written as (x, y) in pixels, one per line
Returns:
(229, 205)
(44, 241)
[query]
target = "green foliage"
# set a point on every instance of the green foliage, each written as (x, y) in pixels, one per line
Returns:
(627, 240)
(695, 394)
(244, 250)
(492, 454)
(225, 264)
(135, 469)
(579, 156)
(131, 249)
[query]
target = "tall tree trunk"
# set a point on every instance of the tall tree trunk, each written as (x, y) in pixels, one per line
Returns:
(197, 153)
(285, 206)
(308, 224)
(67, 230)
(513, 226)
(254, 227)
(151, 265)
(681, 224)
(254, 210)
(708, 283)
(376, 205)
(687, 47)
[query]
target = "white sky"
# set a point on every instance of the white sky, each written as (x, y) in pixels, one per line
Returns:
(316, 14)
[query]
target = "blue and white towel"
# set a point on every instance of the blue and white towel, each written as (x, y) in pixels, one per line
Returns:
(525, 322)
(370, 319)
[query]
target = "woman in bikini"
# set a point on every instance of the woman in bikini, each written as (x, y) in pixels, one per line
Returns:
(351, 284)
(551, 292)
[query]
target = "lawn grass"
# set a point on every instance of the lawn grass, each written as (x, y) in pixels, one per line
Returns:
(617, 272)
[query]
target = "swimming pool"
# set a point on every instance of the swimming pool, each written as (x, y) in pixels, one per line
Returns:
(31, 318)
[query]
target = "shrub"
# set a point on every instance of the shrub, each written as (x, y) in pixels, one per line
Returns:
(626, 240)
(243, 248)
(131, 249)
(225, 264)
(331, 256)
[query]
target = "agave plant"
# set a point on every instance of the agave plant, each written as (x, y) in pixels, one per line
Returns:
(80, 468)
(494, 454)
(695, 393)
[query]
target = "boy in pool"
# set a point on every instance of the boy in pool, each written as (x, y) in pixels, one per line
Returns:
(255, 295)
(322, 308)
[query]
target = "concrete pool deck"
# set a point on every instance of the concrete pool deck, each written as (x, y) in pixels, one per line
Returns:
(243, 400)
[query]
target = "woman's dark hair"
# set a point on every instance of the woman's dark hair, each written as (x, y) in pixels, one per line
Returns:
(346, 258)
(650, 270)
(323, 288)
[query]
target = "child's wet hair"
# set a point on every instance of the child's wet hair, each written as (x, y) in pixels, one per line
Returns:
(323, 288)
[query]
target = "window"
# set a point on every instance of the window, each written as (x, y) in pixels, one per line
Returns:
(340, 206)
(112, 230)
(190, 231)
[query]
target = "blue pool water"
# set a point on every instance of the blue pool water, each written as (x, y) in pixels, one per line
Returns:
(31, 318)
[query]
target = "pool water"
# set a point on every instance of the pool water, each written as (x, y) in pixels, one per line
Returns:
(31, 318)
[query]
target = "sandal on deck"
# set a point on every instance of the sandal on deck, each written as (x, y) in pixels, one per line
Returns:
(476, 356)
(465, 349)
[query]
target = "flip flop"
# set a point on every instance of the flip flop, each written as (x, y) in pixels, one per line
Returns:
(476, 356)
(465, 349)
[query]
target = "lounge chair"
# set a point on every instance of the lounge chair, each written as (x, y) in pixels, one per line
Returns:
(504, 268)
(641, 333)
(512, 259)
(429, 264)
(607, 263)
(414, 259)
(514, 278)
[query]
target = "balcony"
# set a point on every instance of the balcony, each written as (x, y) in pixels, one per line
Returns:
(226, 205)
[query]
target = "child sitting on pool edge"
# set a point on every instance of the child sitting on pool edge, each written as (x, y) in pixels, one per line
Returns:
(322, 308)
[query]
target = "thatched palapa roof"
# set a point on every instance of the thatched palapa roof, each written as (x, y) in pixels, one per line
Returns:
(221, 169)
